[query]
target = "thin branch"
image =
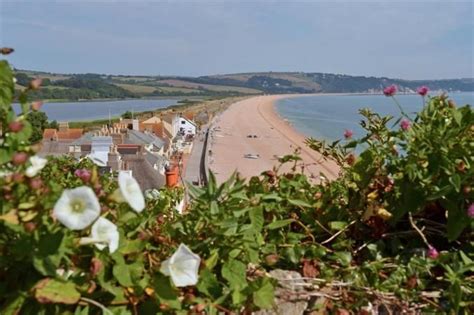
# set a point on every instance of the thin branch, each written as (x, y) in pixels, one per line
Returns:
(338, 233)
(102, 307)
(423, 237)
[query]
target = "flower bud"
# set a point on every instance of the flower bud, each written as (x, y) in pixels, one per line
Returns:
(6, 50)
(95, 266)
(35, 84)
(470, 211)
(84, 175)
(29, 226)
(422, 90)
(348, 134)
(350, 159)
(390, 90)
(19, 158)
(18, 178)
(432, 252)
(272, 259)
(36, 183)
(36, 105)
(15, 126)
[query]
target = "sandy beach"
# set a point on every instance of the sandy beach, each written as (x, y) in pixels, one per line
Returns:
(275, 137)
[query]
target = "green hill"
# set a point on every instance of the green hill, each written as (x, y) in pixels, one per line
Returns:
(102, 86)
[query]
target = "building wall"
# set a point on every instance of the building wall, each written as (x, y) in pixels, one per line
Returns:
(186, 126)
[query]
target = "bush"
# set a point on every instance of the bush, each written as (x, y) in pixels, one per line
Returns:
(393, 232)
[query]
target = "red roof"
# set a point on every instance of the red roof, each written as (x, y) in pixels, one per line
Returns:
(70, 134)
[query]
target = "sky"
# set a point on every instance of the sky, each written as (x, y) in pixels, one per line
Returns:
(398, 39)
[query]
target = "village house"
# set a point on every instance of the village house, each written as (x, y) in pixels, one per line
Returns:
(58, 141)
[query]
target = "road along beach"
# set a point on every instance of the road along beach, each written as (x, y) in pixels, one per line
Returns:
(250, 136)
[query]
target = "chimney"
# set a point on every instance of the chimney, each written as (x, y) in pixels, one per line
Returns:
(114, 160)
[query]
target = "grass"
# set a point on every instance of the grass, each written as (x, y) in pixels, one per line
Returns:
(136, 88)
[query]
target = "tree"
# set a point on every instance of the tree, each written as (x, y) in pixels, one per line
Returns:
(38, 121)
(53, 125)
(127, 115)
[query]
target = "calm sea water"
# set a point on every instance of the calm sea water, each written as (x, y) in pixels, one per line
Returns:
(326, 116)
(77, 111)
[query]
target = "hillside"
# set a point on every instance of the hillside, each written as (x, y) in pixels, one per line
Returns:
(101, 86)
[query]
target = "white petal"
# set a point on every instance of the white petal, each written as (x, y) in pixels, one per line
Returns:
(106, 234)
(77, 220)
(37, 164)
(184, 267)
(165, 267)
(131, 191)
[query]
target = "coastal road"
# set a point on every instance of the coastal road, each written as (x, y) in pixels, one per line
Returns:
(230, 141)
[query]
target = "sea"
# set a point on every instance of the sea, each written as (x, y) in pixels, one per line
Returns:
(325, 117)
(83, 111)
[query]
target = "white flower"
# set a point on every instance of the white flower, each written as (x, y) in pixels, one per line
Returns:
(182, 266)
(77, 208)
(37, 164)
(130, 191)
(103, 233)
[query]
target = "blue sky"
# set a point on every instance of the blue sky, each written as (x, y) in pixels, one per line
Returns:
(402, 39)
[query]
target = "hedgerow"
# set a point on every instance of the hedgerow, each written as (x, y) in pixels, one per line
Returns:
(392, 233)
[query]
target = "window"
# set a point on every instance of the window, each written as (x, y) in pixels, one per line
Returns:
(183, 122)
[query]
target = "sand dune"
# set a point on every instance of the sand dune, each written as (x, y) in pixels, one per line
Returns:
(275, 137)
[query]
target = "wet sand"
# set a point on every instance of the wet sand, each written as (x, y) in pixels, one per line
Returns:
(275, 137)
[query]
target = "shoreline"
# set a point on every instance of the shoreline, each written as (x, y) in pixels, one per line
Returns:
(275, 137)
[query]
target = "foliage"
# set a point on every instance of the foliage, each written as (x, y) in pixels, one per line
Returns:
(38, 121)
(392, 231)
(127, 115)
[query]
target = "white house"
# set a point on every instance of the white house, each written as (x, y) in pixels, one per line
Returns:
(186, 127)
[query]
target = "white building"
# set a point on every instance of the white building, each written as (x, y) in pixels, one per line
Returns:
(186, 127)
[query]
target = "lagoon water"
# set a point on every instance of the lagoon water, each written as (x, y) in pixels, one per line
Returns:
(80, 111)
(326, 116)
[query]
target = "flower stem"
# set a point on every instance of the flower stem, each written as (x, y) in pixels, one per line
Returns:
(401, 108)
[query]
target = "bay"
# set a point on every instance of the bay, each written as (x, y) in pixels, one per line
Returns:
(327, 116)
(82, 111)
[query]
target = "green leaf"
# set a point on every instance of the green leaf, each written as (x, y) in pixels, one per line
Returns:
(208, 284)
(53, 291)
(165, 291)
(122, 274)
(457, 221)
(279, 224)
(214, 207)
(213, 259)
(337, 225)
(256, 218)
(264, 296)
(455, 180)
(299, 203)
(234, 272)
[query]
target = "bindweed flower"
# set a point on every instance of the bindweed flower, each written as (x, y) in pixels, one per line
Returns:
(83, 174)
(348, 134)
(432, 252)
(103, 234)
(470, 211)
(390, 90)
(77, 208)
(19, 158)
(130, 191)
(182, 266)
(422, 90)
(37, 164)
(405, 124)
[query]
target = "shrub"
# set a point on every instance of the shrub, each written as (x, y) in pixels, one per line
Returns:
(393, 232)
